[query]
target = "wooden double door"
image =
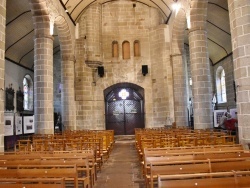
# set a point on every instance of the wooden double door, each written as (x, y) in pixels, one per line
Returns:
(124, 115)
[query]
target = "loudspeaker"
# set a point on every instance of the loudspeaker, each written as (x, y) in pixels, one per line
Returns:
(144, 70)
(100, 70)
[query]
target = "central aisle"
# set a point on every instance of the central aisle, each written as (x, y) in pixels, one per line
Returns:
(122, 168)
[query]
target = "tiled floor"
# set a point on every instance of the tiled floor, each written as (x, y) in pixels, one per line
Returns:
(122, 168)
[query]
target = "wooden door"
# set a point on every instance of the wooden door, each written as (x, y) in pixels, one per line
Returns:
(124, 115)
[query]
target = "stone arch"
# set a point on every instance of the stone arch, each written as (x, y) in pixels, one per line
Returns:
(179, 69)
(65, 38)
(50, 13)
(46, 13)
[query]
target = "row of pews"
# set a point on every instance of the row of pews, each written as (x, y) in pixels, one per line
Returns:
(214, 164)
(36, 162)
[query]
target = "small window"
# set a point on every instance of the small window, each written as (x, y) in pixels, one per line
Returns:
(126, 50)
(221, 85)
(137, 49)
(115, 49)
(28, 93)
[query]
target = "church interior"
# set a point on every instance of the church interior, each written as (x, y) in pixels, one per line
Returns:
(125, 93)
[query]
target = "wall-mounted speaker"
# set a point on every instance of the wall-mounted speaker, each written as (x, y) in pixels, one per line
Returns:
(100, 71)
(144, 70)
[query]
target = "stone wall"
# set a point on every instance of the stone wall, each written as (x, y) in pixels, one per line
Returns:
(160, 65)
(121, 21)
(2, 68)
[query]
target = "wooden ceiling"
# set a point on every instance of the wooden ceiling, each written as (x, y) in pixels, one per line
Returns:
(20, 29)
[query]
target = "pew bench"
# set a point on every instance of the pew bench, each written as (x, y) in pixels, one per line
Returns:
(192, 167)
(87, 176)
(206, 180)
(32, 183)
(69, 172)
(176, 167)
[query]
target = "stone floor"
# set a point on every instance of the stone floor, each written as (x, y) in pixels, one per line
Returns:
(122, 168)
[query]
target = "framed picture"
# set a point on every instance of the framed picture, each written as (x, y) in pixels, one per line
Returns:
(9, 99)
(19, 101)
(19, 125)
(217, 115)
(8, 125)
(28, 124)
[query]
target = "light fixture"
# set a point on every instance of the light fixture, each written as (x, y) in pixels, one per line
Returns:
(123, 94)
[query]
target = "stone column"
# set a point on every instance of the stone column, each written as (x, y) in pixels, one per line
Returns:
(180, 91)
(43, 76)
(240, 31)
(2, 69)
(200, 69)
(68, 93)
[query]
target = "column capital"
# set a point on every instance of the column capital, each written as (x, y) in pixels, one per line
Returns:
(198, 28)
(37, 36)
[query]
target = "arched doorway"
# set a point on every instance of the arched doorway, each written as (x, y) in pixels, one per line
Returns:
(124, 108)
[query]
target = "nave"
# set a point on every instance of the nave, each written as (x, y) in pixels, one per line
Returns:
(122, 168)
(152, 158)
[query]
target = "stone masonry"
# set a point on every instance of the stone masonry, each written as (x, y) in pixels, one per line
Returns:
(2, 69)
(200, 69)
(240, 30)
(179, 70)
(116, 25)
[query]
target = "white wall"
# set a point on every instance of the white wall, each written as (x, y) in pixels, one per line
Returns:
(14, 75)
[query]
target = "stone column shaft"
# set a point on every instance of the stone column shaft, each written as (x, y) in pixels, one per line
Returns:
(240, 30)
(202, 86)
(180, 91)
(43, 84)
(68, 93)
(2, 70)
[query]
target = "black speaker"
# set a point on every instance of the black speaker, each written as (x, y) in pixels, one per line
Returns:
(100, 71)
(144, 70)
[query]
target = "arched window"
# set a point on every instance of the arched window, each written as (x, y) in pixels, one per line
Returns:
(28, 93)
(137, 51)
(126, 50)
(115, 49)
(221, 85)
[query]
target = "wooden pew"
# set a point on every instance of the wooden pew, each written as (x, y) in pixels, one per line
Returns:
(189, 167)
(68, 172)
(32, 183)
(176, 167)
(87, 175)
(206, 180)
(82, 165)
(238, 165)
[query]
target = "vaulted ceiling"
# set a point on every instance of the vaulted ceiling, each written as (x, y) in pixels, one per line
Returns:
(20, 29)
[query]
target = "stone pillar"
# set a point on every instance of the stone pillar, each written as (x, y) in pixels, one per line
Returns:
(240, 31)
(43, 76)
(200, 69)
(2, 69)
(68, 93)
(180, 91)
(93, 34)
